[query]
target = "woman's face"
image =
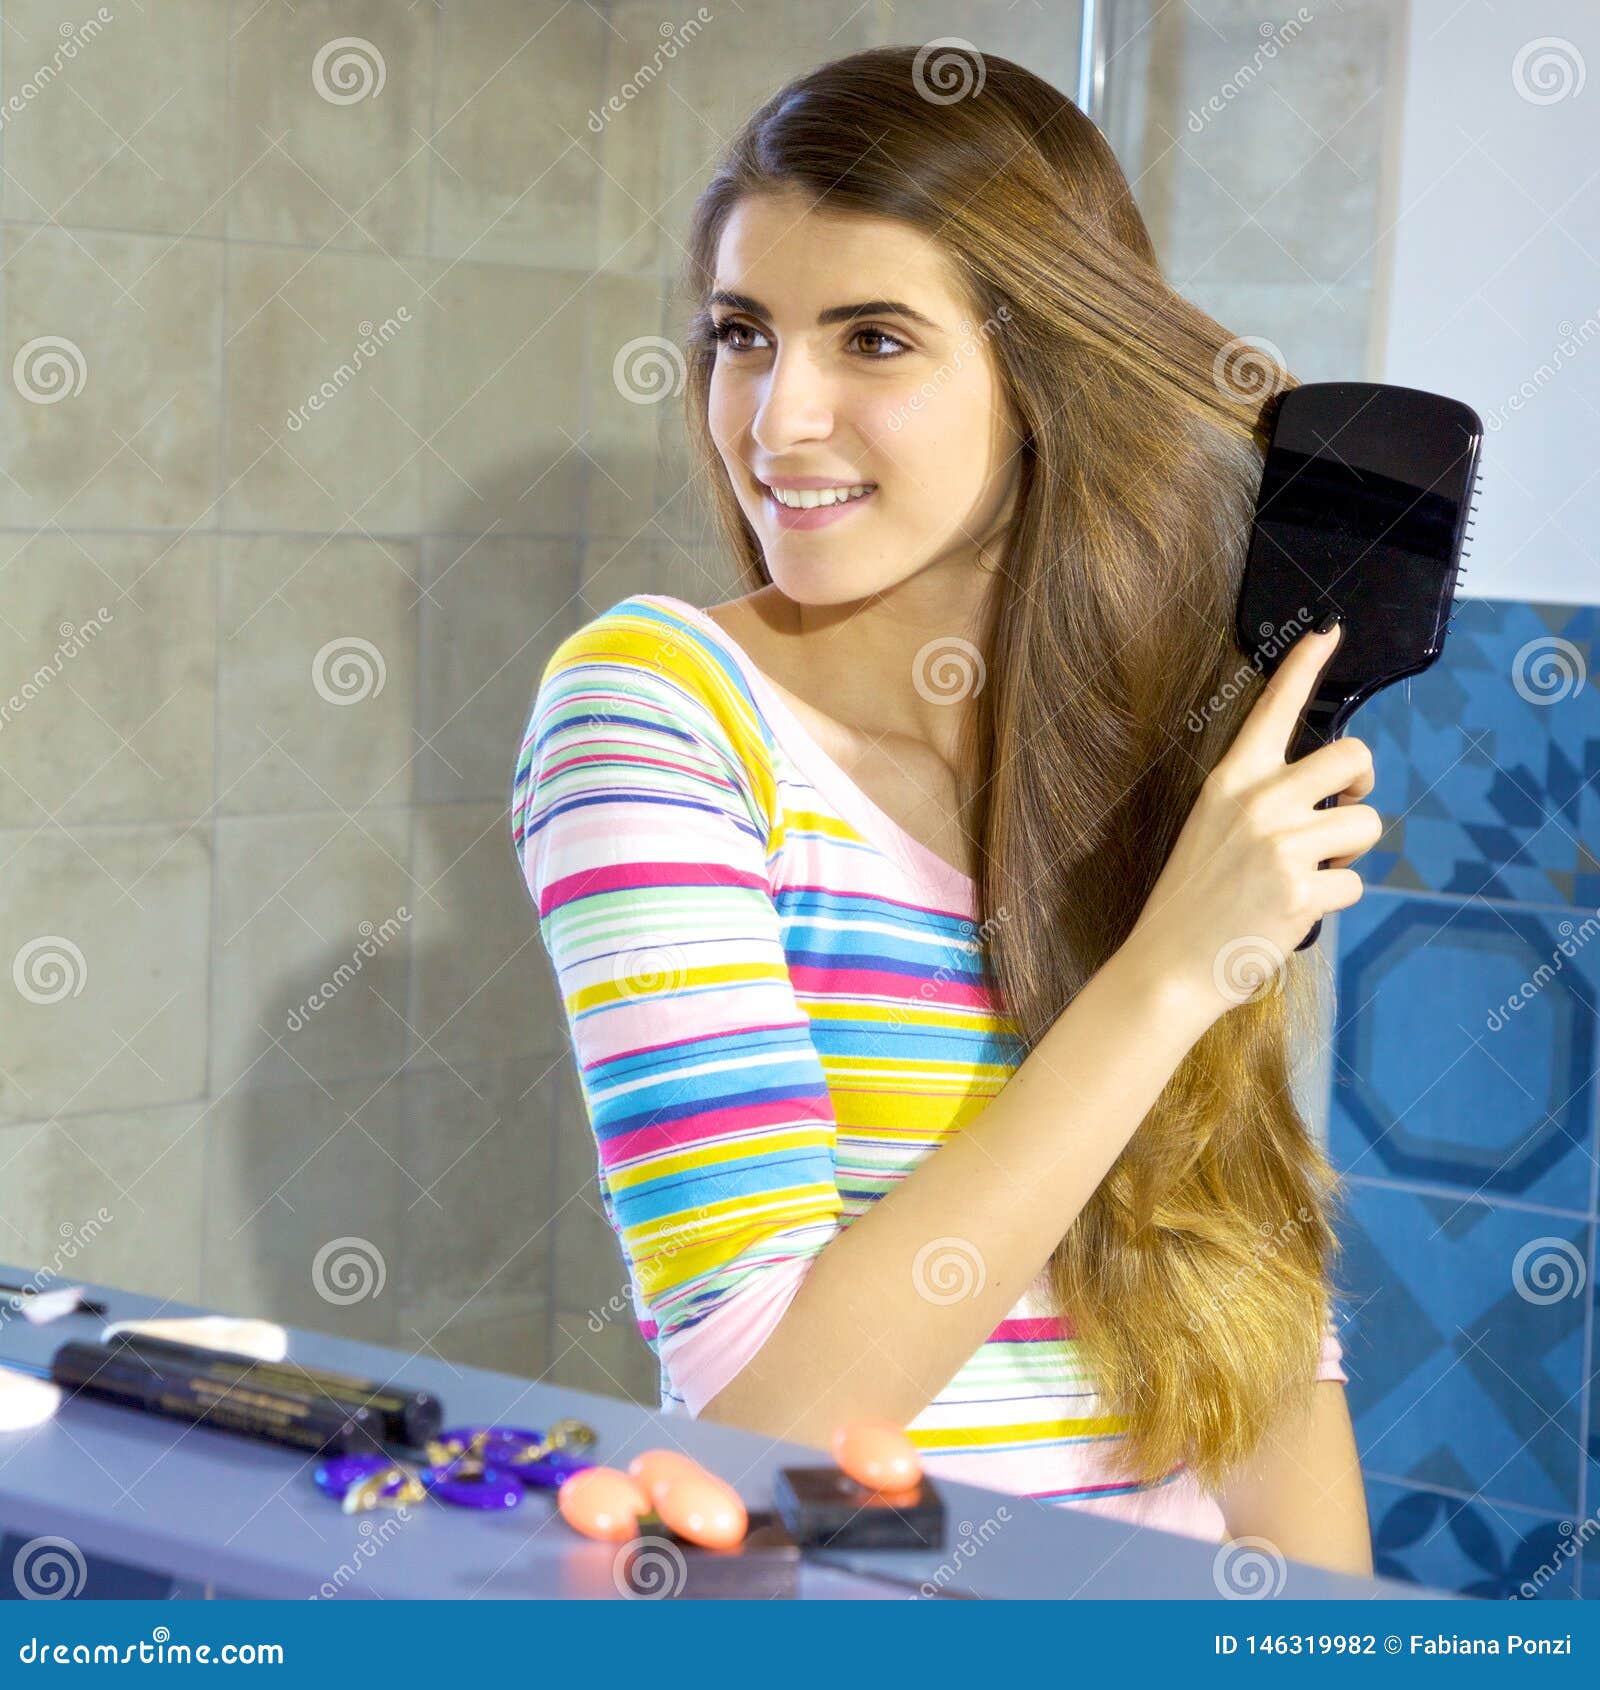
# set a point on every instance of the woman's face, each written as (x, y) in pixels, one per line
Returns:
(906, 402)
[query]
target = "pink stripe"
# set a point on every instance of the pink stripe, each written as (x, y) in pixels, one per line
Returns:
(725, 1032)
(721, 1121)
(622, 877)
(635, 759)
(680, 1019)
(846, 981)
(1034, 1331)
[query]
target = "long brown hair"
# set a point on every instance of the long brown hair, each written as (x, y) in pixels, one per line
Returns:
(1197, 1274)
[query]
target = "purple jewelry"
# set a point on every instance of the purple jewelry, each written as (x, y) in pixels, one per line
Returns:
(352, 1479)
(549, 1472)
(498, 1446)
(469, 1466)
(485, 1487)
(541, 1460)
(489, 1487)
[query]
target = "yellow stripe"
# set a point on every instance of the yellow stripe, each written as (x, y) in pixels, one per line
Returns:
(911, 1011)
(1041, 1431)
(669, 980)
(678, 1264)
(827, 827)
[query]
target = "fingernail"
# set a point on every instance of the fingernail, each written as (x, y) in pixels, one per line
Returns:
(1328, 623)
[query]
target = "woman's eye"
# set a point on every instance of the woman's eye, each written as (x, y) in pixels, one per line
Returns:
(726, 331)
(883, 335)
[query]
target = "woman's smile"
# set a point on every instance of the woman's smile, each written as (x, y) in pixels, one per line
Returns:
(801, 502)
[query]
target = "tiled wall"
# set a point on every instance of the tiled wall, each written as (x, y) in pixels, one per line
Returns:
(1465, 1110)
(274, 770)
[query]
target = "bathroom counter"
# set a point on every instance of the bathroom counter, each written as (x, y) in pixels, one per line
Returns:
(216, 1514)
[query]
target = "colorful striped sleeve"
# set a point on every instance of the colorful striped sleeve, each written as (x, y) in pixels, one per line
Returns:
(642, 815)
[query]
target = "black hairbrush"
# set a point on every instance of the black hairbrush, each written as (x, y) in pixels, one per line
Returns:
(1364, 509)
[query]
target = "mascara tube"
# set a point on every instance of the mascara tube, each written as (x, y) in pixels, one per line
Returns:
(404, 1417)
(120, 1375)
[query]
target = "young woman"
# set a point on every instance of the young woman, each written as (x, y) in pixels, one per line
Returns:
(926, 916)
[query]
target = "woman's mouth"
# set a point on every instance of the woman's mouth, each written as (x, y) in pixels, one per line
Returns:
(815, 507)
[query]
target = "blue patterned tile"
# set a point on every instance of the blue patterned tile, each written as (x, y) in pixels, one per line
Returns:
(1589, 1529)
(1484, 762)
(1465, 1345)
(1465, 1051)
(1467, 1547)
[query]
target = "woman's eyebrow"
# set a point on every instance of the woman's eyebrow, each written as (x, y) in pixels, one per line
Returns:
(834, 313)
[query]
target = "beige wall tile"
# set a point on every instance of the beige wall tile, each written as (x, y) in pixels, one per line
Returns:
(1044, 38)
(103, 936)
(652, 563)
(349, 171)
(622, 130)
(495, 610)
(476, 1200)
(615, 1360)
(484, 988)
(505, 400)
(113, 349)
(683, 493)
(324, 394)
(121, 124)
(109, 646)
(142, 1168)
(514, 1340)
(635, 388)
(28, 1204)
(313, 909)
(741, 59)
(650, 68)
(302, 1210)
(316, 673)
(1276, 182)
(513, 176)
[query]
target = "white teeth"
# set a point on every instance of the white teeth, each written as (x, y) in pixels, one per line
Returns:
(811, 497)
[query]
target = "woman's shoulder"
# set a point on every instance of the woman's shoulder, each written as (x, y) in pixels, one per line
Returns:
(644, 636)
(652, 653)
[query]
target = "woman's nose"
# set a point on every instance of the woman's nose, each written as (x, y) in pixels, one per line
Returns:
(796, 403)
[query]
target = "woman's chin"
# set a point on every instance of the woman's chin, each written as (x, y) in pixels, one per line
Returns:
(811, 584)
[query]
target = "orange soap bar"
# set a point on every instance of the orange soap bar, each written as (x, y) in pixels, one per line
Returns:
(602, 1502)
(652, 1467)
(700, 1507)
(877, 1454)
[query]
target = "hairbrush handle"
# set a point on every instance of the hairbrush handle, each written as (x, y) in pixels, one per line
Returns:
(1321, 725)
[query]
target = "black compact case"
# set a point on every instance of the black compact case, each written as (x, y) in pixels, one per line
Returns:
(1365, 509)
(824, 1508)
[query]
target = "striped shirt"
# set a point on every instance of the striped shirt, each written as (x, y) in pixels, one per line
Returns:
(778, 1007)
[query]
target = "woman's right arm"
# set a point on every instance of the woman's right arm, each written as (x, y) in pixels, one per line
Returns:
(868, 1332)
